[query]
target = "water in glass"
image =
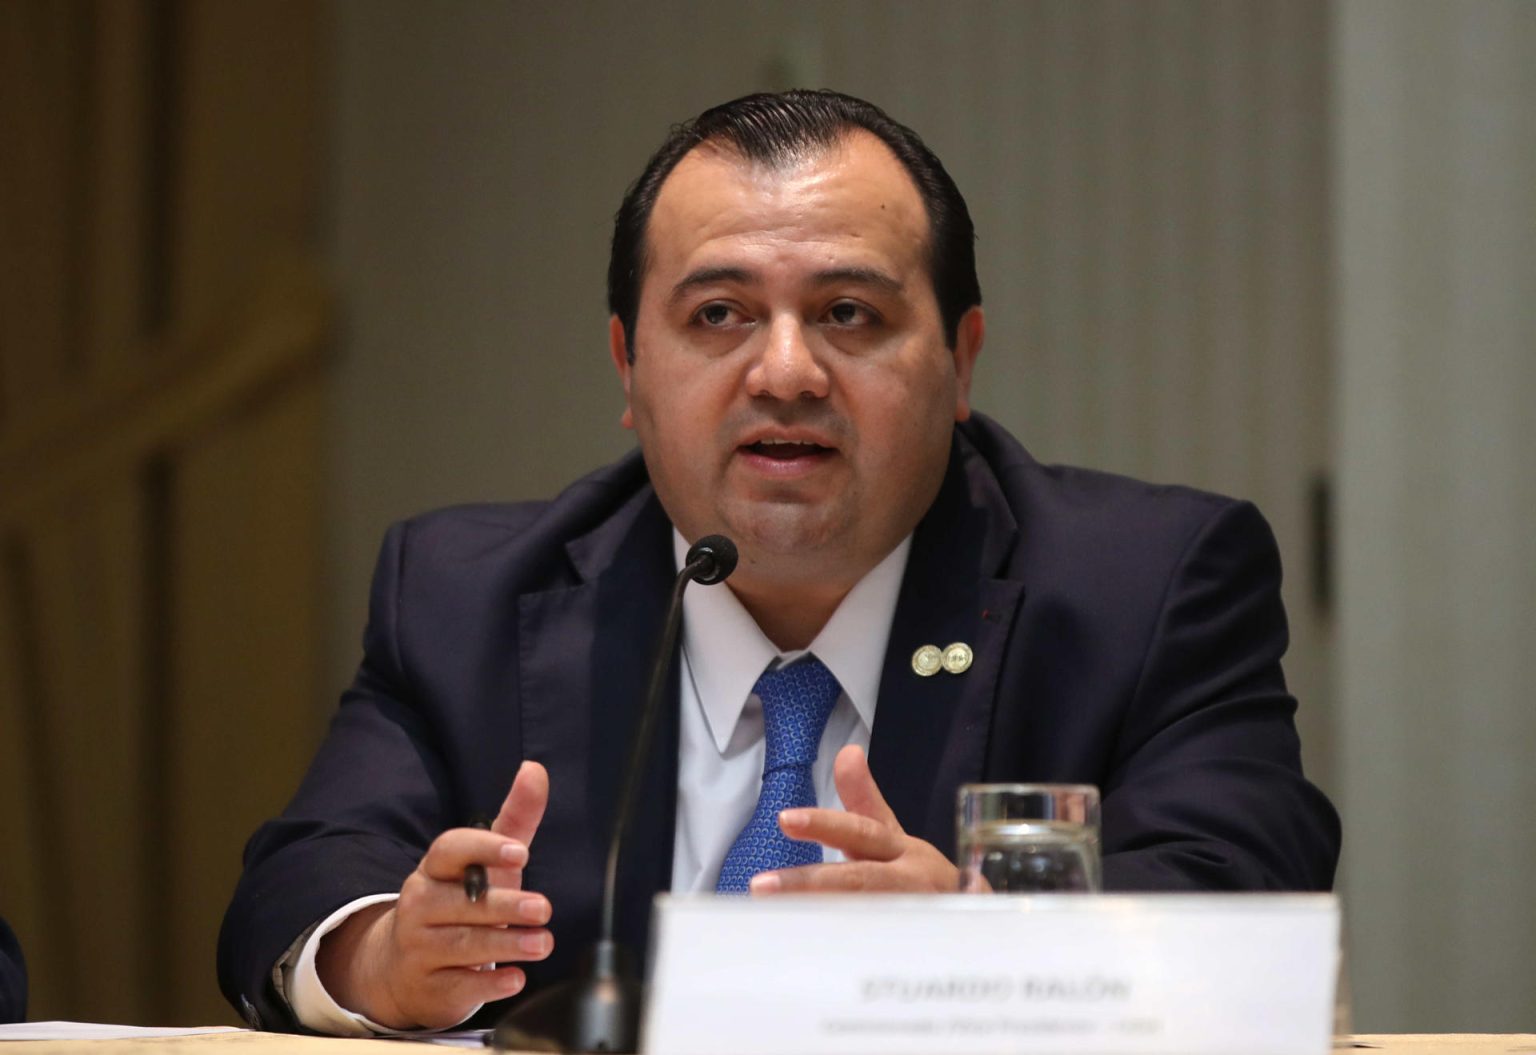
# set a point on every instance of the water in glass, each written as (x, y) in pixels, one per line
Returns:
(1028, 857)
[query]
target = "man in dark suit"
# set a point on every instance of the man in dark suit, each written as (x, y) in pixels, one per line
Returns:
(795, 320)
(13, 977)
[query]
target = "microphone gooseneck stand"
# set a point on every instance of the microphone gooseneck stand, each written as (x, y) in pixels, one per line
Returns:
(599, 1009)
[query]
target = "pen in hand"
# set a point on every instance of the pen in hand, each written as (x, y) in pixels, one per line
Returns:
(475, 880)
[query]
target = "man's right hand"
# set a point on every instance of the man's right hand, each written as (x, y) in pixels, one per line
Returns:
(421, 962)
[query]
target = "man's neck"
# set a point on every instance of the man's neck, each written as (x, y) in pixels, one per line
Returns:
(790, 619)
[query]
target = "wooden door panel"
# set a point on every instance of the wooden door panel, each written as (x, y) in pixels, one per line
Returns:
(245, 503)
(83, 560)
(161, 331)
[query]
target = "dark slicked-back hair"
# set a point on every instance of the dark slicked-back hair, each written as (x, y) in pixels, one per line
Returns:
(779, 129)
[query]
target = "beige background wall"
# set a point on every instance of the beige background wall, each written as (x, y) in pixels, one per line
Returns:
(1435, 195)
(1239, 244)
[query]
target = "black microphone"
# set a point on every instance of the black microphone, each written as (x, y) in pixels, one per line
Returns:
(599, 1009)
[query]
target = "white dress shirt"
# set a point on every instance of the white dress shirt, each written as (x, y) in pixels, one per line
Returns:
(720, 753)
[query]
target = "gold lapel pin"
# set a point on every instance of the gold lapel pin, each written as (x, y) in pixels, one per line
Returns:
(956, 658)
(927, 660)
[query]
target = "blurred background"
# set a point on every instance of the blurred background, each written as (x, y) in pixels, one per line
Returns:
(275, 274)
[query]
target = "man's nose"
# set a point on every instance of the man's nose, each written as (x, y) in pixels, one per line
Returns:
(788, 366)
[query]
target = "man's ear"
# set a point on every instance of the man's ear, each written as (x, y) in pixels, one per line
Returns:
(618, 348)
(969, 336)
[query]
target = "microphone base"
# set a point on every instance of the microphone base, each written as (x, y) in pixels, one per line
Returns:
(597, 1011)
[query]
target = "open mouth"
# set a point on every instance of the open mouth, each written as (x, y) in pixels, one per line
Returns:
(782, 450)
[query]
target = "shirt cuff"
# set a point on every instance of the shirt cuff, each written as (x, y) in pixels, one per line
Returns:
(312, 1005)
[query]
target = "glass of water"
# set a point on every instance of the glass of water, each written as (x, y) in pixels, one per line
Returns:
(1028, 838)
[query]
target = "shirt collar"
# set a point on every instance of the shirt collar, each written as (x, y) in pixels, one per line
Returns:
(726, 652)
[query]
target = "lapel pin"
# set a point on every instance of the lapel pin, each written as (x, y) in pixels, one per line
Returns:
(957, 658)
(927, 660)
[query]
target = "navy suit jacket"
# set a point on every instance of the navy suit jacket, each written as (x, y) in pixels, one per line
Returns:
(1125, 635)
(13, 977)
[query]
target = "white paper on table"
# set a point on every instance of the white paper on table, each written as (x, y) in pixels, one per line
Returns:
(100, 1031)
(455, 1038)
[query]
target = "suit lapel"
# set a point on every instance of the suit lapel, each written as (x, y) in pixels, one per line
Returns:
(584, 661)
(930, 733)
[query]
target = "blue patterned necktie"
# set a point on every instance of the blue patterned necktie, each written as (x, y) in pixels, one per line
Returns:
(796, 702)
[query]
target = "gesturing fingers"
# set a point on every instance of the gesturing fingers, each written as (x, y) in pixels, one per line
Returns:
(392, 963)
(523, 808)
(435, 954)
(458, 848)
(857, 788)
(430, 903)
(431, 948)
(451, 954)
(849, 877)
(919, 868)
(880, 855)
(865, 829)
(446, 995)
(859, 838)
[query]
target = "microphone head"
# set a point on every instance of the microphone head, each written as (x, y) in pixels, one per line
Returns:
(718, 554)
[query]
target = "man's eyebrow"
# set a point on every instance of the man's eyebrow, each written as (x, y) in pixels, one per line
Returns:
(708, 276)
(865, 276)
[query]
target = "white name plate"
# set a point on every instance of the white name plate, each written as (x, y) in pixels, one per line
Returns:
(985, 974)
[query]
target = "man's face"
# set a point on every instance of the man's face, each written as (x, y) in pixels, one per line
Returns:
(791, 386)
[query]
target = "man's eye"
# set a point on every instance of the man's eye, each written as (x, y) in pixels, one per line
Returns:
(715, 314)
(846, 313)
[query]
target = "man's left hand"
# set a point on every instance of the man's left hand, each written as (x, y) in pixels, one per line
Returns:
(880, 856)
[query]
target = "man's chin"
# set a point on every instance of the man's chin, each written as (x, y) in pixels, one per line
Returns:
(791, 541)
